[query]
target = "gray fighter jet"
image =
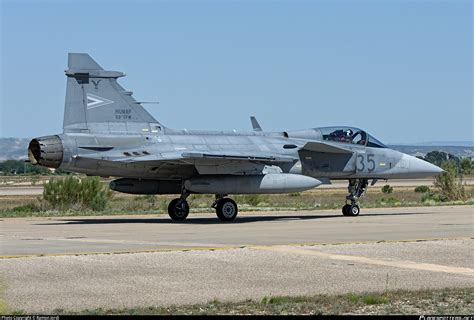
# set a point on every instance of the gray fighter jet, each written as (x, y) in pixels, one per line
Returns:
(106, 132)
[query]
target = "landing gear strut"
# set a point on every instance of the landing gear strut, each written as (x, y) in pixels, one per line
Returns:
(178, 209)
(226, 208)
(356, 188)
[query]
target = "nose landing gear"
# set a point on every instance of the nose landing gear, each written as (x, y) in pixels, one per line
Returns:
(351, 209)
(356, 188)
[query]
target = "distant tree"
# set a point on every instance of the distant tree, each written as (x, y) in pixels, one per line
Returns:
(12, 167)
(465, 166)
(438, 157)
(61, 172)
(34, 170)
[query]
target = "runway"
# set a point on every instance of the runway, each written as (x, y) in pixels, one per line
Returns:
(114, 262)
(21, 190)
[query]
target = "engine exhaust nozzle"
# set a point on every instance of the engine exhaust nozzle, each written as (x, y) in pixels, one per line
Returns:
(46, 151)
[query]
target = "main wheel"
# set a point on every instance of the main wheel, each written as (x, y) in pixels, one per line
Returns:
(226, 210)
(354, 210)
(178, 209)
(345, 210)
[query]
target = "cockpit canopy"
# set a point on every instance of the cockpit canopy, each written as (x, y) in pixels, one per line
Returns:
(350, 135)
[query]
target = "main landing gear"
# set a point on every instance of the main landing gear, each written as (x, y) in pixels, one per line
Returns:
(356, 188)
(178, 209)
(226, 208)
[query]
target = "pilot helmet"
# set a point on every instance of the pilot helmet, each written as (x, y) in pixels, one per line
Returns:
(348, 133)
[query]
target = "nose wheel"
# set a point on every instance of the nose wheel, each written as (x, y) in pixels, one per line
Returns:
(356, 188)
(351, 210)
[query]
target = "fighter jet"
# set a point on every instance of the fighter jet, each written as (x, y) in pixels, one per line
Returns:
(106, 132)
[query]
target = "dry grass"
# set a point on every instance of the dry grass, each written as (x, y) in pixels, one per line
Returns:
(23, 206)
(439, 302)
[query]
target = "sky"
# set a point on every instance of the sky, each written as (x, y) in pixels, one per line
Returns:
(402, 70)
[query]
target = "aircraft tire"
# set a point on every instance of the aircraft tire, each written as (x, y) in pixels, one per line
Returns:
(345, 209)
(354, 210)
(177, 213)
(226, 210)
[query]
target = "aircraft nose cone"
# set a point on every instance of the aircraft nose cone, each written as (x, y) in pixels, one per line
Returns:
(423, 168)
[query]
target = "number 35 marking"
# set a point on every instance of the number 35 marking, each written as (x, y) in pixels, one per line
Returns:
(363, 162)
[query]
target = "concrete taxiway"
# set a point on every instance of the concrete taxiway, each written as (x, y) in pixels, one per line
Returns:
(76, 263)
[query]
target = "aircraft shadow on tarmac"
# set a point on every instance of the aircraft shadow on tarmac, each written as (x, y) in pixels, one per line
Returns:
(214, 220)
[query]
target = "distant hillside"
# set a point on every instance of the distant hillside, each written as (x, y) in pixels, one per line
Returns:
(438, 143)
(13, 148)
(16, 148)
(458, 151)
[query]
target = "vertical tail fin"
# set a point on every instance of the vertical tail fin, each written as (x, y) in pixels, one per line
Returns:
(255, 125)
(95, 102)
